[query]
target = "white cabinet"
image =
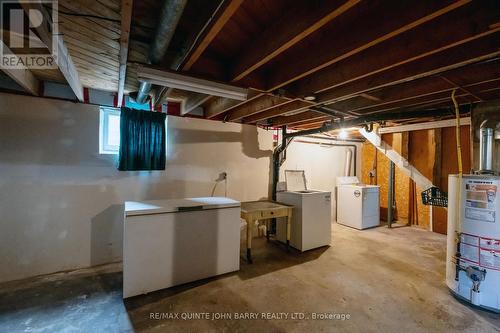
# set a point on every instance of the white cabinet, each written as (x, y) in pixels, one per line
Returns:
(311, 225)
(358, 206)
(171, 242)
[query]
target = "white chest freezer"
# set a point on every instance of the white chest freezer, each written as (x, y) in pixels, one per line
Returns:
(358, 206)
(311, 221)
(171, 242)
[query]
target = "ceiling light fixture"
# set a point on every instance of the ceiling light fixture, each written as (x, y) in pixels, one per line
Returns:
(343, 134)
(310, 98)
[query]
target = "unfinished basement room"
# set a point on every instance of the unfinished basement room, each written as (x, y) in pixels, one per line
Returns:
(249, 166)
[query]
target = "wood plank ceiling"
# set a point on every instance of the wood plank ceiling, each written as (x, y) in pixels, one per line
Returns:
(353, 57)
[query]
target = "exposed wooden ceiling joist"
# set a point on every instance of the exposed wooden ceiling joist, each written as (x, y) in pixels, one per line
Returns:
(289, 30)
(468, 23)
(397, 20)
(194, 100)
(260, 104)
(293, 105)
(479, 50)
(297, 118)
(126, 17)
(63, 59)
(225, 14)
(216, 106)
(23, 77)
(466, 78)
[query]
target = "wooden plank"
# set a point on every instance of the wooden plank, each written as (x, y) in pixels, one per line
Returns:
(263, 103)
(407, 91)
(293, 27)
(278, 110)
(397, 20)
(126, 14)
(218, 105)
(308, 123)
(436, 168)
(91, 7)
(23, 77)
(465, 121)
(479, 50)
(297, 118)
(63, 59)
(467, 23)
(193, 101)
(225, 14)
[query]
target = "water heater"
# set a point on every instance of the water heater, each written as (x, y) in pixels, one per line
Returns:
(473, 244)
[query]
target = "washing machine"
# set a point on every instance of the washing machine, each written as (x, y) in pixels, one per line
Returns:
(358, 205)
(311, 221)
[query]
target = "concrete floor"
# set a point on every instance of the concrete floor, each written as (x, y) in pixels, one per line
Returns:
(385, 280)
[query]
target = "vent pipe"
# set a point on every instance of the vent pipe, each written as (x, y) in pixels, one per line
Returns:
(170, 14)
(486, 147)
(348, 159)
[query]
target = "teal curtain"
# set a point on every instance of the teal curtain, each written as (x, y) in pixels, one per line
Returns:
(142, 140)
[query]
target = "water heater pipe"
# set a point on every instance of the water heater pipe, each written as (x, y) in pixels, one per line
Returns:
(486, 147)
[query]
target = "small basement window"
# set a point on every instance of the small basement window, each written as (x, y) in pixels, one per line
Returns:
(109, 130)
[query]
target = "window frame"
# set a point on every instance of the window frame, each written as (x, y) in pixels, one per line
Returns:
(104, 113)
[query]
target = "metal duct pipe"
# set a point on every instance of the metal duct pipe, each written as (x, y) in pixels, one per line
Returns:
(486, 147)
(348, 159)
(170, 14)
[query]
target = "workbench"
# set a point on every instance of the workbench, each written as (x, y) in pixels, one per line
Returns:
(253, 211)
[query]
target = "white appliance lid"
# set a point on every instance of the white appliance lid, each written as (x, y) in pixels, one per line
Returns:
(347, 180)
(295, 180)
(177, 205)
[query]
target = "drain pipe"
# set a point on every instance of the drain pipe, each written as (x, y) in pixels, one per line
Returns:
(170, 14)
(278, 160)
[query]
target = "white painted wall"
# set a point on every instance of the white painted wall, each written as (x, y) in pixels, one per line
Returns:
(61, 202)
(322, 163)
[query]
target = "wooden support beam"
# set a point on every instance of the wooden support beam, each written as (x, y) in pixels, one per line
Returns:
(289, 30)
(436, 168)
(290, 106)
(468, 23)
(424, 126)
(63, 59)
(308, 123)
(126, 19)
(223, 15)
(218, 105)
(194, 100)
(215, 106)
(262, 103)
(397, 20)
(477, 51)
(23, 77)
(297, 118)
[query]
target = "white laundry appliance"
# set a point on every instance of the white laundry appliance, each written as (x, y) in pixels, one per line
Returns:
(311, 220)
(358, 205)
(171, 242)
